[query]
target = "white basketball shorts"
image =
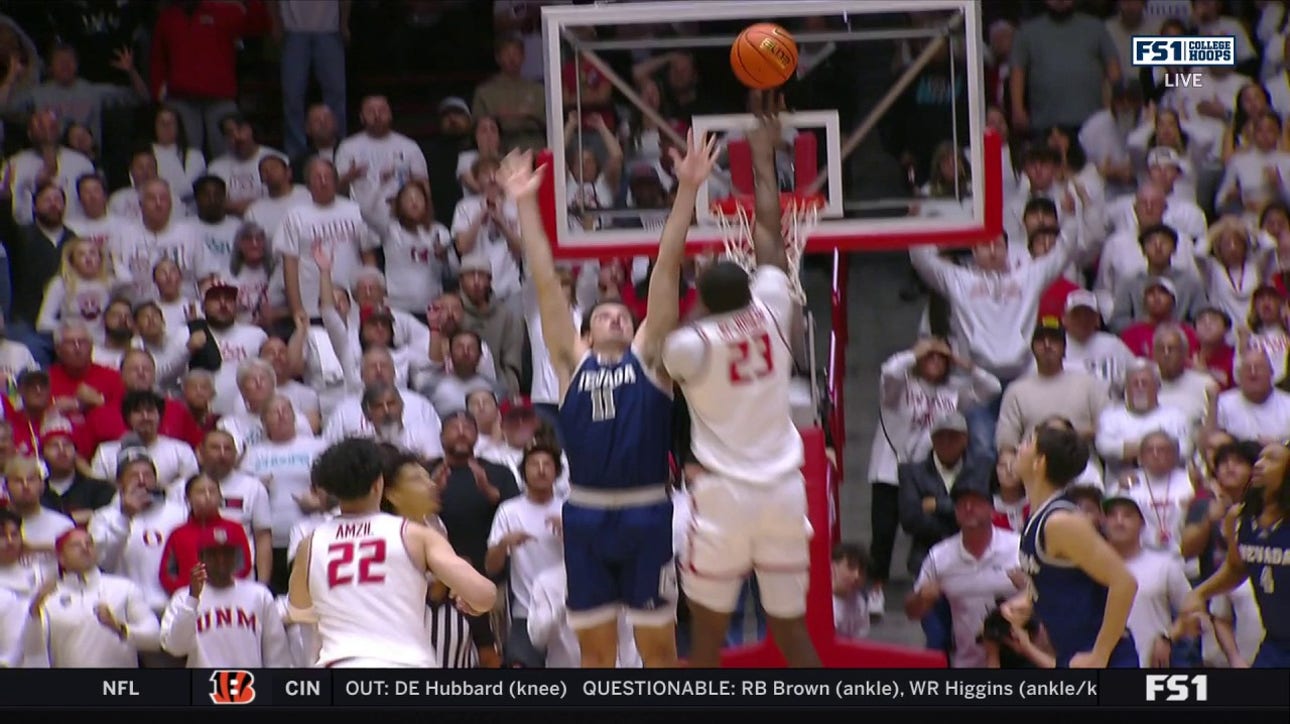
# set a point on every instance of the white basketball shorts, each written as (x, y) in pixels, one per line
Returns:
(739, 528)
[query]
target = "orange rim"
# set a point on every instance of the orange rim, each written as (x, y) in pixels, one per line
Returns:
(788, 201)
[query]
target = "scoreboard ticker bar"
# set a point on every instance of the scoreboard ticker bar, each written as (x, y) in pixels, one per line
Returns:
(642, 689)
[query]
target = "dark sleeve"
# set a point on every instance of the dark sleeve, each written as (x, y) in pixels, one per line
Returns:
(912, 518)
(208, 357)
(503, 479)
(103, 493)
(6, 287)
(1198, 510)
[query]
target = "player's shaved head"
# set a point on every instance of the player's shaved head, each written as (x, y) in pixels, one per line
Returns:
(349, 469)
(724, 287)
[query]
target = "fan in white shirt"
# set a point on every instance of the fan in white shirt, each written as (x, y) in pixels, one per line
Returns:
(850, 604)
(23, 169)
(95, 620)
(256, 383)
(257, 274)
(24, 582)
(41, 526)
(213, 226)
(971, 570)
(95, 224)
(125, 204)
(221, 622)
(280, 195)
(1162, 489)
(333, 223)
(131, 531)
(179, 166)
(1162, 584)
(485, 227)
(1256, 175)
(282, 355)
(173, 459)
(240, 167)
(382, 407)
(282, 460)
(1187, 390)
(1122, 429)
(1255, 410)
(416, 247)
(506, 431)
(347, 419)
(377, 161)
(236, 341)
(246, 500)
(526, 534)
(140, 247)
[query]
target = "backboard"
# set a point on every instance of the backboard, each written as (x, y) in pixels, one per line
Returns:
(870, 100)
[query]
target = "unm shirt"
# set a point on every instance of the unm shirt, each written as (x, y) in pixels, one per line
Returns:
(340, 228)
(242, 176)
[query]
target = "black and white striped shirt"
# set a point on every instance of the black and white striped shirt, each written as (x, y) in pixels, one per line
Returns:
(450, 636)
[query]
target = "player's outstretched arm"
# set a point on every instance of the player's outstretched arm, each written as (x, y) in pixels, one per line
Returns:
(768, 238)
(300, 604)
(1228, 576)
(1072, 536)
(664, 302)
(467, 584)
(522, 182)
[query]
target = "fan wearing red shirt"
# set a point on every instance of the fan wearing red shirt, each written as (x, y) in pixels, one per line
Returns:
(1052, 304)
(105, 424)
(75, 382)
(182, 547)
(27, 419)
(1158, 301)
(1215, 355)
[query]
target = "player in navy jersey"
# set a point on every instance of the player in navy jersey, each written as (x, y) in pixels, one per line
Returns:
(1258, 548)
(616, 420)
(1079, 587)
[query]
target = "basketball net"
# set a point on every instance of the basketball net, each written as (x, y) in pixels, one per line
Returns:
(800, 215)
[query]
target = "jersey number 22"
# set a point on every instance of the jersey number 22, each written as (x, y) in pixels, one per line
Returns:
(341, 566)
(751, 359)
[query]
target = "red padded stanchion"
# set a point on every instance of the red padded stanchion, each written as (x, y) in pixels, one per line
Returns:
(834, 653)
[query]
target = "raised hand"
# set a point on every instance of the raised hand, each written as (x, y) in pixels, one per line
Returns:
(697, 163)
(123, 60)
(517, 176)
(197, 580)
(322, 257)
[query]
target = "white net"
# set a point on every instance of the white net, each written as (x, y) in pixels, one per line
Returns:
(799, 219)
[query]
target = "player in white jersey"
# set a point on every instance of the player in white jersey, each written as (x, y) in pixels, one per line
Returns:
(361, 576)
(734, 365)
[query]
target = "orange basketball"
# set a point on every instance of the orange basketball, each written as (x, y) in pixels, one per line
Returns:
(764, 56)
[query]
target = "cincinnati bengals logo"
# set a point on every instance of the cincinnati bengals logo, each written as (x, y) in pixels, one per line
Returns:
(232, 686)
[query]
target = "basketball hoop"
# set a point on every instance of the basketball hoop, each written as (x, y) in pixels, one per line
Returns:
(800, 215)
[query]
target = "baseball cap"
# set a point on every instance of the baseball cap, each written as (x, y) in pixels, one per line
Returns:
(454, 104)
(1081, 298)
(950, 422)
(1163, 156)
(1162, 283)
(55, 426)
(221, 286)
(1120, 499)
(1049, 328)
(516, 406)
(214, 537)
(971, 485)
(1268, 289)
(132, 451)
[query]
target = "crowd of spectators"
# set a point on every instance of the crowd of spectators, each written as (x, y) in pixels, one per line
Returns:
(1137, 296)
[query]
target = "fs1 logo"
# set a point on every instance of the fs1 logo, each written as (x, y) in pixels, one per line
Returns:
(1185, 50)
(1178, 687)
(232, 686)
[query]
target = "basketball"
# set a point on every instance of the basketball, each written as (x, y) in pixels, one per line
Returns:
(764, 56)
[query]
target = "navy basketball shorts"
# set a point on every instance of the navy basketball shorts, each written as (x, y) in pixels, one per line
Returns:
(620, 559)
